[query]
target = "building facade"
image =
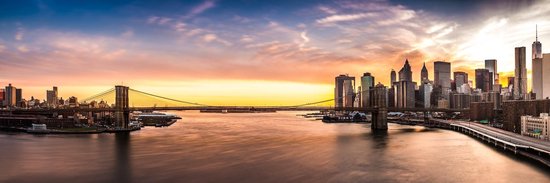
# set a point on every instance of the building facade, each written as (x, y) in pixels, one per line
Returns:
(483, 80)
(10, 99)
(537, 67)
(339, 89)
(52, 97)
(405, 90)
(546, 75)
(424, 74)
(442, 77)
(425, 94)
(537, 127)
(460, 79)
(349, 93)
(491, 65)
(520, 83)
(367, 83)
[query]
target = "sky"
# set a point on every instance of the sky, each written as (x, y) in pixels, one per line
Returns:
(252, 52)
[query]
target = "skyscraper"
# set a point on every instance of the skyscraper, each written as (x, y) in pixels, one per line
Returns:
(483, 80)
(349, 93)
(442, 77)
(424, 74)
(546, 76)
(491, 65)
(18, 95)
(10, 99)
(339, 89)
(520, 84)
(393, 77)
(52, 97)
(392, 95)
(425, 91)
(405, 87)
(367, 83)
(405, 74)
(537, 68)
(460, 79)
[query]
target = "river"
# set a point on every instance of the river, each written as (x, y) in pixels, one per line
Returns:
(269, 147)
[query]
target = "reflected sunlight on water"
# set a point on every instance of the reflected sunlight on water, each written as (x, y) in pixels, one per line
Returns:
(270, 147)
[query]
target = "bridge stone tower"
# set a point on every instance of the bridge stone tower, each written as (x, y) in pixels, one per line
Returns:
(379, 116)
(122, 113)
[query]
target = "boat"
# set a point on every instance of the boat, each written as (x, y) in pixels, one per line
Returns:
(156, 119)
(353, 117)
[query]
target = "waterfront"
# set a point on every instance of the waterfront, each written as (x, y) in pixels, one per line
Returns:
(265, 147)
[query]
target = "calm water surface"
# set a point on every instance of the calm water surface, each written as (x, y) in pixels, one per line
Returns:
(275, 147)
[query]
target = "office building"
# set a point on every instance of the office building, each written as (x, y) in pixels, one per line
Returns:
(2, 94)
(537, 68)
(424, 74)
(393, 77)
(491, 65)
(425, 91)
(339, 89)
(460, 101)
(520, 83)
(52, 97)
(483, 80)
(442, 77)
(367, 83)
(10, 99)
(405, 90)
(18, 95)
(546, 75)
(537, 127)
(460, 78)
(349, 93)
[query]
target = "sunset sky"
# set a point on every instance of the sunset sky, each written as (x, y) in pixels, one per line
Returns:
(252, 52)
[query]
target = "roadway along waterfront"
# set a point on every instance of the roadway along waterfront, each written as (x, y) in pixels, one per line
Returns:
(508, 136)
(262, 147)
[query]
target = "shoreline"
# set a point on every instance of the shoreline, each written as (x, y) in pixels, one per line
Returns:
(58, 131)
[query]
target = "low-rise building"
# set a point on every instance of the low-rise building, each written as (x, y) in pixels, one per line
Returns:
(537, 127)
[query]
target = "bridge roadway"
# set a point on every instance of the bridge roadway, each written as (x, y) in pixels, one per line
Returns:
(259, 108)
(507, 137)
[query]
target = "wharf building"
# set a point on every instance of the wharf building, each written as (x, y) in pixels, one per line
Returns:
(537, 127)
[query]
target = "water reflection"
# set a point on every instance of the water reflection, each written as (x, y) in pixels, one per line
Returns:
(123, 166)
(275, 147)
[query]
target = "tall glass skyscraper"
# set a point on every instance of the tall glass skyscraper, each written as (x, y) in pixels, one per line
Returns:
(537, 67)
(520, 83)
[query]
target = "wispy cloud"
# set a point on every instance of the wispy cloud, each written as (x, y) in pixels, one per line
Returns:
(158, 20)
(344, 17)
(208, 4)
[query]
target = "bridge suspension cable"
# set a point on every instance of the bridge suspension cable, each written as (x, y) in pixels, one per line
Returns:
(99, 95)
(166, 98)
(313, 103)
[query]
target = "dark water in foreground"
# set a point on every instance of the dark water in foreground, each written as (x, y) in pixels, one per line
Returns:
(277, 147)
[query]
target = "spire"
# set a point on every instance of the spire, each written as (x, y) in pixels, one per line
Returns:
(536, 32)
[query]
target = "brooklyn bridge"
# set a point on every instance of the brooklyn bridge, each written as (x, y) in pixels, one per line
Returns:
(125, 98)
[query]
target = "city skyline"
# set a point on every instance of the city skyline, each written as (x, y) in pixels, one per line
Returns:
(197, 49)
